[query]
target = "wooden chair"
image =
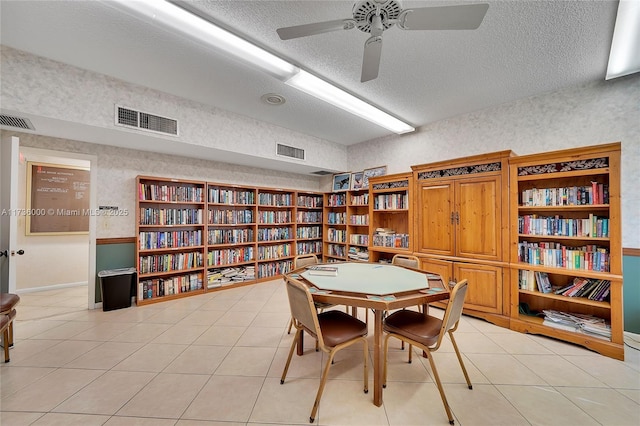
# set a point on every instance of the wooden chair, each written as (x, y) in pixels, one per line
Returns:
(334, 330)
(299, 262)
(426, 332)
(407, 261)
(8, 302)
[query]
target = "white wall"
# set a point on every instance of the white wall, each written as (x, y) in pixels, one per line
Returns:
(48, 259)
(592, 114)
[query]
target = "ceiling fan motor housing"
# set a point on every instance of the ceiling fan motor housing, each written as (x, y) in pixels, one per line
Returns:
(365, 10)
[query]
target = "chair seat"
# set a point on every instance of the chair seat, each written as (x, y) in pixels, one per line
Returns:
(339, 327)
(414, 325)
(8, 301)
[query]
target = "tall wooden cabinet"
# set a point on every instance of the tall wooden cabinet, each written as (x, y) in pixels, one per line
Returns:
(566, 228)
(462, 227)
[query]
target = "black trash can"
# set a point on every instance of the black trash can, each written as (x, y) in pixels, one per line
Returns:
(116, 286)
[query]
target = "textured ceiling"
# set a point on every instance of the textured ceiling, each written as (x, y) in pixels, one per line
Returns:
(522, 48)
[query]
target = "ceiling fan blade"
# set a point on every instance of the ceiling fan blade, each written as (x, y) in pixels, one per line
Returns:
(287, 33)
(459, 17)
(371, 58)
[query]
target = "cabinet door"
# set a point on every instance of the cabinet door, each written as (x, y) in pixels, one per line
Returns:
(435, 227)
(485, 286)
(478, 208)
(437, 266)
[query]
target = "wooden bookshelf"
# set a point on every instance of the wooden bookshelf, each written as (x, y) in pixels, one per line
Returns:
(171, 238)
(358, 219)
(309, 223)
(390, 198)
(334, 227)
(565, 223)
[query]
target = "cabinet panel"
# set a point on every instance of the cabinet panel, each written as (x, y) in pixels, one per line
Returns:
(442, 267)
(435, 204)
(478, 210)
(485, 286)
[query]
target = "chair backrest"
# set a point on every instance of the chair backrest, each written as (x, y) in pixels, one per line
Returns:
(406, 260)
(304, 260)
(303, 310)
(454, 309)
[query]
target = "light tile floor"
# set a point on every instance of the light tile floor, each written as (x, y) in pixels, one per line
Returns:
(216, 359)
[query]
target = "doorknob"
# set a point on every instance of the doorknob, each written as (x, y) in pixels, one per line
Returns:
(20, 252)
(13, 253)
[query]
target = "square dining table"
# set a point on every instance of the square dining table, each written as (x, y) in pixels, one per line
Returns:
(380, 287)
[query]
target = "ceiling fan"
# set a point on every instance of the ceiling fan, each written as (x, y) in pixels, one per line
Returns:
(376, 16)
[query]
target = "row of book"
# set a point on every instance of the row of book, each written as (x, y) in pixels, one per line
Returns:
(172, 216)
(577, 323)
(360, 239)
(336, 250)
(336, 218)
(231, 217)
(360, 200)
(309, 217)
(359, 219)
(534, 281)
(231, 196)
(170, 262)
(596, 193)
(589, 257)
(336, 235)
(592, 289)
(391, 240)
(274, 216)
(275, 234)
(391, 201)
(309, 247)
(271, 269)
(592, 226)
(226, 276)
(309, 201)
(271, 199)
(274, 251)
(158, 287)
(336, 200)
(308, 232)
(169, 239)
(230, 256)
(170, 193)
(359, 254)
(231, 236)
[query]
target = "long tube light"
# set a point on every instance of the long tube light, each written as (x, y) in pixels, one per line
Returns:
(624, 58)
(178, 19)
(327, 92)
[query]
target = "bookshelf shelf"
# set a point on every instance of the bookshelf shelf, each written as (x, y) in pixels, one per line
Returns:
(585, 183)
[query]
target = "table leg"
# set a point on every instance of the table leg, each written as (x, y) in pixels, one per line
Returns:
(377, 358)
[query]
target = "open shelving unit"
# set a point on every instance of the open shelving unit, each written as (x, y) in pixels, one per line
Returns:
(565, 226)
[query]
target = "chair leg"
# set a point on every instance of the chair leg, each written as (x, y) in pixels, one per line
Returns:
(323, 381)
(11, 334)
(366, 364)
(5, 338)
(290, 326)
(440, 388)
(385, 360)
(293, 346)
(464, 370)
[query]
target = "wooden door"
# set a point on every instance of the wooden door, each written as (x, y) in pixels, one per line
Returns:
(478, 210)
(485, 286)
(435, 227)
(438, 266)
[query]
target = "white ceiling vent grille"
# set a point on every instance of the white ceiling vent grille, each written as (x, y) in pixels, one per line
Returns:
(144, 121)
(17, 122)
(290, 151)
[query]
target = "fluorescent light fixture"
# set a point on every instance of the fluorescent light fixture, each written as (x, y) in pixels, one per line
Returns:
(169, 15)
(624, 58)
(327, 92)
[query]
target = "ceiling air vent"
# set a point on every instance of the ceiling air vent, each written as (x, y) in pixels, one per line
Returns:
(290, 151)
(144, 121)
(17, 122)
(321, 173)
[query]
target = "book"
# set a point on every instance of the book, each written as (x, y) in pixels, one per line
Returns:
(330, 271)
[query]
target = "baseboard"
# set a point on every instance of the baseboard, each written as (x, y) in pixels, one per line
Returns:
(51, 287)
(632, 340)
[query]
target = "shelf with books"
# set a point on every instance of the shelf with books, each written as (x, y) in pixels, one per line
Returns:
(358, 225)
(566, 234)
(390, 217)
(334, 227)
(309, 223)
(170, 231)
